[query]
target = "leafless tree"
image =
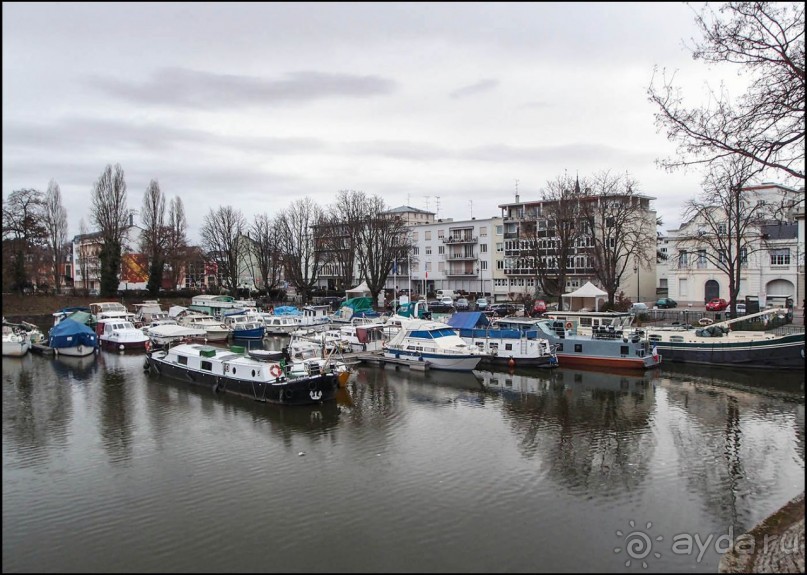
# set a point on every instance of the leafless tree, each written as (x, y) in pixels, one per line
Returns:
(153, 236)
(176, 241)
(382, 239)
(620, 227)
(221, 237)
(54, 218)
(550, 238)
(337, 237)
(111, 216)
(766, 124)
(724, 224)
(23, 233)
(301, 259)
(266, 253)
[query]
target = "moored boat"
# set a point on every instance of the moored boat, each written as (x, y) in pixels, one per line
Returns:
(502, 344)
(72, 338)
(434, 343)
(121, 335)
(616, 349)
(231, 371)
(720, 344)
(16, 342)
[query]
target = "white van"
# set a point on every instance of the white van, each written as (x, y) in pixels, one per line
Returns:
(441, 293)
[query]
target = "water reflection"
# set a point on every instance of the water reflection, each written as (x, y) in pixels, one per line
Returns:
(591, 430)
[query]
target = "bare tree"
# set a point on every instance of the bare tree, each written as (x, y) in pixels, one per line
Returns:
(266, 254)
(176, 241)
(338, 235)
(301, 259)
(54, 218)
(23, 232)
(764, 125)
(619, 225)
(550, 238)
(382, 239)
(153, 237)
(112, 218)
(221, 237)
(724, 227)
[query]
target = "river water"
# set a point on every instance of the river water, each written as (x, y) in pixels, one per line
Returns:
(109, 469)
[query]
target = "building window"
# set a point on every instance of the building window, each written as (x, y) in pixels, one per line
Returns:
(701, 259)
(440, 233)
(483, 248)
(722, 229)
(721, 256)
(499, 247)
(483, 231)
(499, 230)
(683, 288)
(683, 259)
(428, 250)
(441, 250)
(427, 235)
(744, 256)
(780, 257)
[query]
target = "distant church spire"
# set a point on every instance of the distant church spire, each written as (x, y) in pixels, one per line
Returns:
(577, 185)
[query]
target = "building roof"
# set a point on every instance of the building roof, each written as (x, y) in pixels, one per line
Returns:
(408, 209)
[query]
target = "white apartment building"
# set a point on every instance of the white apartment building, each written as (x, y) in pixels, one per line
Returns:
(773, 265)
(448, 254)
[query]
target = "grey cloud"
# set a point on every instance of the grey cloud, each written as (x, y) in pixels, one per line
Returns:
(182, 87)
(477, 88)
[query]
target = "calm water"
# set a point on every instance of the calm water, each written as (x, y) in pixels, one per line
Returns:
(108, 469)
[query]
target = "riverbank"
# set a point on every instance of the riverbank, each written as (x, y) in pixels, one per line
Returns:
(38, 308)
(776, 545)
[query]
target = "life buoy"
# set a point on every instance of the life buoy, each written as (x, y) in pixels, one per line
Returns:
(275, 370)
(568, 325)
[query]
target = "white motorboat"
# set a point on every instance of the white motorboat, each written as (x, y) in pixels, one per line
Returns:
(432, 342)
(16, 342)
(121, 335)
(216, 331)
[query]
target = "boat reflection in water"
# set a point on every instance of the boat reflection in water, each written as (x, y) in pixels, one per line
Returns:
(78, 368)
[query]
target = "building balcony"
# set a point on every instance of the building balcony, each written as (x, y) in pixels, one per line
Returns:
(461, 273)
(460, 257)
(460, 240)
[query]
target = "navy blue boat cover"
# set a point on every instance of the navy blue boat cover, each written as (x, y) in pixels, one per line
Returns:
(468, 320)
(69, 333)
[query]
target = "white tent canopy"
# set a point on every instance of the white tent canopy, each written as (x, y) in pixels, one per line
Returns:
(588, 291)
(360, 290)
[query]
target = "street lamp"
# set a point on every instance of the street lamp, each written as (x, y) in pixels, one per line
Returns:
(636, 271)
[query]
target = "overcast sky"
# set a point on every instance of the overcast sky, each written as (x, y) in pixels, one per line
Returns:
(438, 106)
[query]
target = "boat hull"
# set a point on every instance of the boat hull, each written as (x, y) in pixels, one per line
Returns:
(786, 352)
(125, 346)
(604, 362)
(447, 362)
(15, 348)
(302, 391)
(75, 351)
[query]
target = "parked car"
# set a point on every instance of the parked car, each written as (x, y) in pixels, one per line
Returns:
(504, 309)
(462, 304)
(438, 306)
(538, 308)
(638, 308)
(740, 308)
(447, 300)
(481, 303)
(717, 304)
(666, 303)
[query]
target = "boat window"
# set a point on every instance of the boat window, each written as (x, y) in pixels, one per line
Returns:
(233, 371)
(578, 348)
(654, 337)
(560, 347)
(508, 346)
(676, 339)
(182, 360)
(585, 321)
(624, 350)
(207, 366)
